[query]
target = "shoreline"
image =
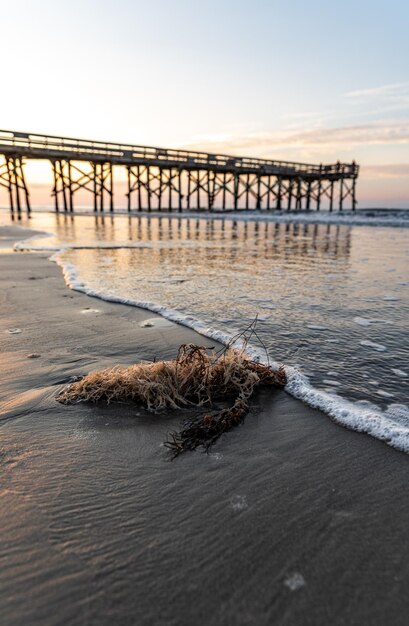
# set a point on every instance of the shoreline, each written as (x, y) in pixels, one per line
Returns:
(99, 527)
(394, 218)
(387, 425)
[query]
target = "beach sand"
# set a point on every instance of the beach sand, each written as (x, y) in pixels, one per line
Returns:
(291, 519)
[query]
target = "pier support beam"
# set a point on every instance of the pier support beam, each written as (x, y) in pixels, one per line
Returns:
(279, 192)
(331, 198)
(299, 196)
(319, 194)
(354, 194)
(156, 187)
(12, 178)
(69, 177)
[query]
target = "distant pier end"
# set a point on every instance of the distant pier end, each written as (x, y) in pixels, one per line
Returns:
(160, 179)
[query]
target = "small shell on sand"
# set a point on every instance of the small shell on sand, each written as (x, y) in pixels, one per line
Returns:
(295, 581)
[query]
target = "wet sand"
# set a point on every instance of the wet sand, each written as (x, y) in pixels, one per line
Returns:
(291, 519)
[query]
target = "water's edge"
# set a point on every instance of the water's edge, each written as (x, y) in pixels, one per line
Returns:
(381, 425)
(390, 426)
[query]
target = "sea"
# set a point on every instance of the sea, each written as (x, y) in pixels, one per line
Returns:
(329, 294)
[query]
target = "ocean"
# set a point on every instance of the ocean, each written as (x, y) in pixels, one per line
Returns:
(331, 298)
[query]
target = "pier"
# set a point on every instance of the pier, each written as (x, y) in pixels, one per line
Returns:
(162, 179)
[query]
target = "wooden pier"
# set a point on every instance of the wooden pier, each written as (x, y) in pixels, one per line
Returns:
(160, 179)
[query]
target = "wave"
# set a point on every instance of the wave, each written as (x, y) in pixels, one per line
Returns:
(390, 426)
(398, 218)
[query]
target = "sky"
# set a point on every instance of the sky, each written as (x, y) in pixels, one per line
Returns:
(312, 81)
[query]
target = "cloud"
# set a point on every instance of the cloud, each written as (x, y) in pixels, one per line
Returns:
(384, 91)
(386, 98)
(390, 172)
(323, 139)
(376, 133)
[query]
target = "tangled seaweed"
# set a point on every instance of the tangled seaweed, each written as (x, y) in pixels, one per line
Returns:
(197, 377)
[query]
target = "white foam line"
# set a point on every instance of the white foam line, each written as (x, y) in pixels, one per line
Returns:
(343, 412)
(385, 427)
(21, 246)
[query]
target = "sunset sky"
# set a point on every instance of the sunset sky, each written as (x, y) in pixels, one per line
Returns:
(308, 81)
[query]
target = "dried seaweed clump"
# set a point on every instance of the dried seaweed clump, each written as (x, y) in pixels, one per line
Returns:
(197, 377)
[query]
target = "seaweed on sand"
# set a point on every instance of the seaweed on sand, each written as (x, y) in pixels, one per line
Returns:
(197, 377)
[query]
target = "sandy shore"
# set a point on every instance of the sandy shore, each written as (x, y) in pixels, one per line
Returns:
(291, 520)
